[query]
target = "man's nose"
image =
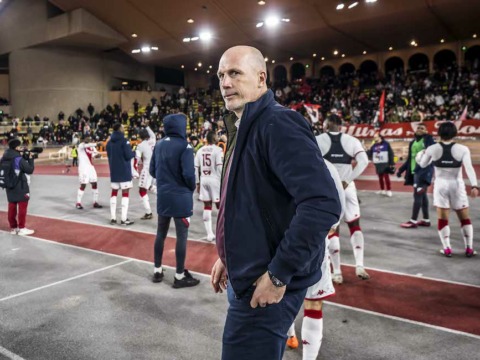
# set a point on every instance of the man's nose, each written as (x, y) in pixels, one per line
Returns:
(226, 82)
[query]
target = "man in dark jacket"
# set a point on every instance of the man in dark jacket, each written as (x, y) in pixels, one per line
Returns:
(278, 202)
(120, 155)
(420, 178)
(172, 166)
(18, 193)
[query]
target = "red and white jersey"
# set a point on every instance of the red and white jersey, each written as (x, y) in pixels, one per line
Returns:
(208, 162)
(144, 150)
(86, 153)
(353, 147)
(459, 152)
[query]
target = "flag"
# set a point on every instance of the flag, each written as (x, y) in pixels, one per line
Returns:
(464, 114)
(381, 108)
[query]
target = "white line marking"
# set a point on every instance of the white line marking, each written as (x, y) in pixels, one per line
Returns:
(418, 276)
(369, 312)
(64, 281)
(208, 276)
(9, 354)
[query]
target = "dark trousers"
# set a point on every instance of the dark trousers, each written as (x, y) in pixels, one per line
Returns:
(384, 179)
(420, 200)
(22, 214)
(74, 161)
(258, 333)
(181, 227)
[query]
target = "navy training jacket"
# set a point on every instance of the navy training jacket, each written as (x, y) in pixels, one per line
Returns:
(172, 165)
(281, 200)
(119, 154)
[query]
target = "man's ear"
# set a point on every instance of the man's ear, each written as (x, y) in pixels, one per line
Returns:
(262, 77)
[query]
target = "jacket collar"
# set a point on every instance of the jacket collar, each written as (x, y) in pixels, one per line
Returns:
(252, 109)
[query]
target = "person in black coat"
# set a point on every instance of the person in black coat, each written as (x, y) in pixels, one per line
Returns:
(420, 178)
(19, 194)
(382, 156)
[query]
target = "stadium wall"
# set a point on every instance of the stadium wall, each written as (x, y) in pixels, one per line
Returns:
(45, 80)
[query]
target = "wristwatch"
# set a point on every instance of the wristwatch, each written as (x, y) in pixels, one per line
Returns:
(276, 282)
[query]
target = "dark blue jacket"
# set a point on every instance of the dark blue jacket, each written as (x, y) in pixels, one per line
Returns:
(421, 176)
(281, 200)
(172, 165)
(119, 154)
(21, 191)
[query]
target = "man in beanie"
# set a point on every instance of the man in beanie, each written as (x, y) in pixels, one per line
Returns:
(18, 193)
(172, 167)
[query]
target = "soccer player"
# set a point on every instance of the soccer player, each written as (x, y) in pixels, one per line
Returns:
(341, 149)
(144, 155)
(208, 170)
(87, 151)
(449, 189)
(312, 324)
(120, 155)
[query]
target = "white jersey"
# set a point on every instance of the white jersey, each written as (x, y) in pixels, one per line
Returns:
(86, 152)
(86, 170)
(353, 148)
(144, 150)
(460, 153)
(324, 287)
(208, 162)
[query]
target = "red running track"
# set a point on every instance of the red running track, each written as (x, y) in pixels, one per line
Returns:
(431, 302)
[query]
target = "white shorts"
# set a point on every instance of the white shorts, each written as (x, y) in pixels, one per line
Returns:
(450, 194)
(209, 189)
(88, 175)
(123, 185)
(324, 287)
(146, 180)
(352, 208)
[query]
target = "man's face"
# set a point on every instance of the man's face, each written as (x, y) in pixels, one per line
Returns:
(421, 130)
(240, 83)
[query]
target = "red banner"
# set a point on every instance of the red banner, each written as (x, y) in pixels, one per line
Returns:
(407, 130)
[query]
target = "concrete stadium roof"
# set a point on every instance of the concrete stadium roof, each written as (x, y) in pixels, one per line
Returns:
(315, 26)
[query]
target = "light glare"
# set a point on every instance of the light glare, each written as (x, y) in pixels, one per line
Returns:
(272, 21)
(352, 5)
(340, 6)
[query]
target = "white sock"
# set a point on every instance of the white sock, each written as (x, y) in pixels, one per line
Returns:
(444, 234)
(79, 196)
(291, 330)
(95, 195)
(467, 232)
(158, 270)
(125, 201)
(179, 276)
(312, 335)
(334, 250)
(357, 244)
(146, 204)
(113, 207)
(207, 221)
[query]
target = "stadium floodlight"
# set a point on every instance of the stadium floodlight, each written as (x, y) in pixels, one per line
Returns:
(205, 35)
(186, 39)
(135, 51)
(260, 24)
(272, 21)
(352, 5)
(146, 49)
(340, 6)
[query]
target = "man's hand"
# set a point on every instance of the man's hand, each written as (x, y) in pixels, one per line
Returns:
(474, 193)
(266, 293)
(345, 184)
(399, 174)
(218, 277)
